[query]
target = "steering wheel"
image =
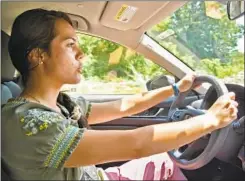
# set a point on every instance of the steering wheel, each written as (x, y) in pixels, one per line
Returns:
(217, 138)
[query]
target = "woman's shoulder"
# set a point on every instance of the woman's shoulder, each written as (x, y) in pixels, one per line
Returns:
(21, 105)
(12, 104)
(32, 117)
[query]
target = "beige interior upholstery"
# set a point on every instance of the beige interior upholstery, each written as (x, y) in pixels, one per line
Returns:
(98, 17)
(142, 13)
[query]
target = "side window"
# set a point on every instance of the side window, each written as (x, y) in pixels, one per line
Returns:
(110, 68)
(16, 73)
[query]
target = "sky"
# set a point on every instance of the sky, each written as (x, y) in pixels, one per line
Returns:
(241, 41)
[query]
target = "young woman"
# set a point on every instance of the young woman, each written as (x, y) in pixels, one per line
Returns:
(45, 133)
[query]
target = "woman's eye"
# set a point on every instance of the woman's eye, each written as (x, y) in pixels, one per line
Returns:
(71, 44)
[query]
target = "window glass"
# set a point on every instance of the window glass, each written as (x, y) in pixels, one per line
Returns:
(201, 35)
(110, 68)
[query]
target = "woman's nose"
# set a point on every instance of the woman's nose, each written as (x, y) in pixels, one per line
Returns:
(80, 54)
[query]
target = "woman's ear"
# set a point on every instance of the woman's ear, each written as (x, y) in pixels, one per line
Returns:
(36, 55)
(33, 56)
(43, 55)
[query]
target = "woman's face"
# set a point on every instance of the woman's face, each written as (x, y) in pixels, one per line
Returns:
(64, 62)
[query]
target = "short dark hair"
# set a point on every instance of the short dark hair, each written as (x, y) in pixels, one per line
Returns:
(32, 29)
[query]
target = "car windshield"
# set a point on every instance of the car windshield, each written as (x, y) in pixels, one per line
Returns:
(201, 35)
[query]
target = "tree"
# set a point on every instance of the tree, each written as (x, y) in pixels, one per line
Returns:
(205, 36)
(131, 65)
(206, 44)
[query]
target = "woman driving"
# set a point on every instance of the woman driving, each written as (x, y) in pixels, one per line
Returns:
(46, 135)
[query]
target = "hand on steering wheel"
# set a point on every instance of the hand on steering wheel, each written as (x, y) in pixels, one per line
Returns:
(223, 112)
(186, 82)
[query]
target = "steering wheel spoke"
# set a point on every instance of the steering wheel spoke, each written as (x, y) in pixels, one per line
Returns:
(182, 114)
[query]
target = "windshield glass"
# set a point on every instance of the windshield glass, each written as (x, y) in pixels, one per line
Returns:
(201, 35)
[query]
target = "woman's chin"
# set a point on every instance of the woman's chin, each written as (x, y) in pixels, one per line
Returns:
(73, 80)
(77, 80)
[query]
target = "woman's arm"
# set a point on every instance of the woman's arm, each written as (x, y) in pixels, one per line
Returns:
(103, 112)
(107, 146)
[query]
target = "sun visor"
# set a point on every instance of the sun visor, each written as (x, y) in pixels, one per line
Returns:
(129, 14)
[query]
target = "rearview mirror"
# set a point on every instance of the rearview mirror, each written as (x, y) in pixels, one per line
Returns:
(235, 9)
(160, 81)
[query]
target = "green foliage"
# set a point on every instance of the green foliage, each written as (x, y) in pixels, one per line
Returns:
(134, 67)
(206, 44)
(205, 36)
(98, 51)
(220, 69)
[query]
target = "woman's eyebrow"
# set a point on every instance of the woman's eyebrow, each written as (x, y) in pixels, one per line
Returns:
(73, 38)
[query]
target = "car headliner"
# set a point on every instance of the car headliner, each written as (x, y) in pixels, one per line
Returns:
(98, 17)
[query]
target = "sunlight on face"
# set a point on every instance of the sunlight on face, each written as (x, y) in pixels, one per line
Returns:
(64, 63)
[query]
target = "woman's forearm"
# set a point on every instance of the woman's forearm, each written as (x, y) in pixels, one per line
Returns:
(140, 102)
(106, 111)
(117, 145)
(164, 137)
(103, 112)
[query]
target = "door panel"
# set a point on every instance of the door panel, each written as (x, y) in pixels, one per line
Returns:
(131, 122)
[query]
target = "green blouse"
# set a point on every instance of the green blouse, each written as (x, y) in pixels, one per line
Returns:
(37, 140)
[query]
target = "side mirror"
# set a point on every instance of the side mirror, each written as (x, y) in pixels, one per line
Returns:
(160, 81)
(235, 9)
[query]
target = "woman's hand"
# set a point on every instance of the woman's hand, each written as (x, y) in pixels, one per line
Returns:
(224, 110)
(186, 82)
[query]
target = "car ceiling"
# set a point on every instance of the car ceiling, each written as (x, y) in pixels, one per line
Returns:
(98, 17)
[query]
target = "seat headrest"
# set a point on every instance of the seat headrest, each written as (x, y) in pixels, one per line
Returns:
(14, 88)
(5, 94)
(7, 70)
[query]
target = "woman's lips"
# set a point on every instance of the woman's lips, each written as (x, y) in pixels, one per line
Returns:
(80, 69)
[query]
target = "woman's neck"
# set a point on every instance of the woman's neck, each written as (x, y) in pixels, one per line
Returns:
(45, 94)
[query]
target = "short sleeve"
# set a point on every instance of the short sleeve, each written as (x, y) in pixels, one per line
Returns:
(84, 104)
(50, 136)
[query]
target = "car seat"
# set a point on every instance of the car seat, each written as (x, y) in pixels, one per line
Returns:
(9, 89)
